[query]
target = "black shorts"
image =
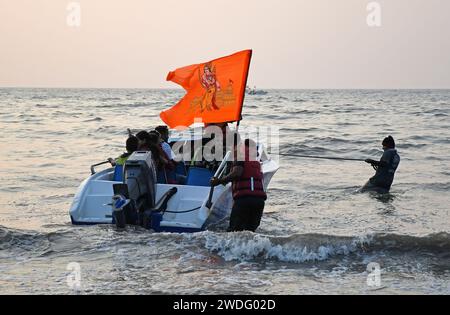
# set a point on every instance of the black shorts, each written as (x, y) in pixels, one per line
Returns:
(246, 214)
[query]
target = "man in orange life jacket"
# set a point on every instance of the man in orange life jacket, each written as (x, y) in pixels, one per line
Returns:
(247, 188)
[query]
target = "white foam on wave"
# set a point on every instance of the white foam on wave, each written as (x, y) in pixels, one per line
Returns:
(295, 249)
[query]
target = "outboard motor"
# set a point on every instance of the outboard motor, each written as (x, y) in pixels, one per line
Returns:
(139, 188)
(140, 177)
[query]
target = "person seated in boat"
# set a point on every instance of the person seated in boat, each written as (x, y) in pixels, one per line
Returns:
(164, 133)
(131, 145)
(247, 188)
(158, 155)
(202, 155)
(143, 137)
(178, 170)
(164, 163)
(150, 142)
(385, 168)
(205, 155)
(167, 152)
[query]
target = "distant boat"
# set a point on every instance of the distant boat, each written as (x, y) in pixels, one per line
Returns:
(254, 91)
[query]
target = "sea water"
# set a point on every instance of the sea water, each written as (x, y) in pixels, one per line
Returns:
(318, 234)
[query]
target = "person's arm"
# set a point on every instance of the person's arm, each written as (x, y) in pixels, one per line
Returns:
(112, 161)
(373, 162)
(384, 161)
(236, 172)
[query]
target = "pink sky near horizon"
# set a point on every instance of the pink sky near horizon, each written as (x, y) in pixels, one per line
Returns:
(296, 43)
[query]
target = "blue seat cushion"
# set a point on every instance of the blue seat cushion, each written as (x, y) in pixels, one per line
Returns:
(199, 176)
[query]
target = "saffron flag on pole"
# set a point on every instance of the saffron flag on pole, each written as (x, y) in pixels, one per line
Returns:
(215, 91)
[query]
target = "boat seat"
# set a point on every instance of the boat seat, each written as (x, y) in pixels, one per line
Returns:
(199, 176)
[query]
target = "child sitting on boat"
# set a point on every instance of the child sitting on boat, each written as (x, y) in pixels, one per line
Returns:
(131, 146)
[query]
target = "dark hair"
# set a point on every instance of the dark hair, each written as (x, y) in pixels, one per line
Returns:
(142, 135)
(162, 129)
(154, 137)
(155, 132)
(132, 144)
(389, 142)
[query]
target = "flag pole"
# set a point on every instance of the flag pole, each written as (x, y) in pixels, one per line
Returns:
(211, 192)
(244, 90)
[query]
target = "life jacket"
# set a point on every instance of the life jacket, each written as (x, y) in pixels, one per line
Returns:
(123, 158)
(251, 183)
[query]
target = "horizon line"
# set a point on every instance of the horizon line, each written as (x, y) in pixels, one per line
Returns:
(181, 89)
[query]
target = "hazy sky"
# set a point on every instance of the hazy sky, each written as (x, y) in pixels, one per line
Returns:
(296, 43)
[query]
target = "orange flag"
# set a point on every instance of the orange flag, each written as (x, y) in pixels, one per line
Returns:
(215, 91)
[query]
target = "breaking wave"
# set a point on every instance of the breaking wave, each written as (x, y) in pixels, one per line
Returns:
(243, 246)
(300, 248)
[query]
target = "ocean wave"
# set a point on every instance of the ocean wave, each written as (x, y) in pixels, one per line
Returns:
(306, 149)
(436, 186)
(22, 242)
(242, 246)
(296, 248)
(435, 111)
(93, 119)
(27, 244)
(303, 112)
(299, 248)
(412, 145)
(130, 105)
(299, 129)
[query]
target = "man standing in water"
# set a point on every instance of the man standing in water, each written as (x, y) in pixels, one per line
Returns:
(385, 168)
(248, 190)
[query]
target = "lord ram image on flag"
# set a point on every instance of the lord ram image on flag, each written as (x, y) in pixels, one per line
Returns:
(215, 91)
(214, 97)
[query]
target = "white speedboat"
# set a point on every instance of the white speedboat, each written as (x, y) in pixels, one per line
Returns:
(191, 207)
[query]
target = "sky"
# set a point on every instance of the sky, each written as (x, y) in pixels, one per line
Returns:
(300, 44)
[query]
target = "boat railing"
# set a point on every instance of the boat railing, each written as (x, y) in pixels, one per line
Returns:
(220, 171)
(98, 164)
(223, 165)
